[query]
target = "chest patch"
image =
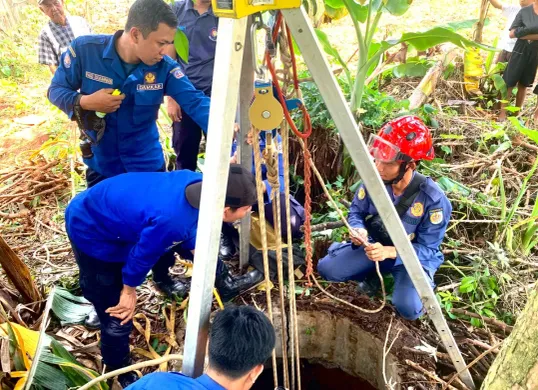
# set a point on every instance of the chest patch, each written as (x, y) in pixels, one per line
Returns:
(213, 34)
(149, 78)
(149, 87)
(417, 209)
(99, 78)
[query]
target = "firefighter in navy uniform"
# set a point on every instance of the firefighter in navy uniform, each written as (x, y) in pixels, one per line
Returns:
(126, 139)
(118, 230)
(423, 208)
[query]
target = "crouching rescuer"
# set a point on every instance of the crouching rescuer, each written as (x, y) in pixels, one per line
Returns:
(120, 228)
(422, 206)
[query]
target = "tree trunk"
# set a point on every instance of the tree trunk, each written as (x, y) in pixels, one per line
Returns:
(18, 273)
(477, 36)
(516, 367)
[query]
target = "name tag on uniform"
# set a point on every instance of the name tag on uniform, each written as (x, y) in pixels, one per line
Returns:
(99, 78)
(149, 87)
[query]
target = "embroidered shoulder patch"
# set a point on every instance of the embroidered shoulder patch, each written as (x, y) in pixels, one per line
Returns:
(362, 193)
(436, 216)
(67, 60)
(177, 73)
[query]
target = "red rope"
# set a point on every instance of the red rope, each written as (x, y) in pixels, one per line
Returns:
(307, 124)
(306, 117)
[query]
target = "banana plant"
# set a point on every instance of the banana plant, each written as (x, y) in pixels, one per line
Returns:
(365, 16)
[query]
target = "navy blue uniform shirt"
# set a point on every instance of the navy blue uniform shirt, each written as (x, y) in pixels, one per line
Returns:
(425, 222)
(134, 219)
(131, 139)
(174, 381)
(201, 31)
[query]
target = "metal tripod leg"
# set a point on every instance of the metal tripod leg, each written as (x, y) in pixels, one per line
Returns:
(246, 92)
(305, 37)
(225, 91)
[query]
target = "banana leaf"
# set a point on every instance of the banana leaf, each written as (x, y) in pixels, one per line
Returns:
(69, 308)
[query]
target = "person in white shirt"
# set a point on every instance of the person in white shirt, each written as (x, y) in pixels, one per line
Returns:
(509, 11)
(58, 33)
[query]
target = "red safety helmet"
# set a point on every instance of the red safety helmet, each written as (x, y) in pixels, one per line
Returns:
(403, 139)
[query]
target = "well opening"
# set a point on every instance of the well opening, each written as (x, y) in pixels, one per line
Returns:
(335, 352)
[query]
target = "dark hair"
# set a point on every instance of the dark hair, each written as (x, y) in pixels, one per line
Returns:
(146, 15)
(240, 339)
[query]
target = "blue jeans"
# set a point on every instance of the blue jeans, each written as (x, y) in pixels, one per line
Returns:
(348, 262)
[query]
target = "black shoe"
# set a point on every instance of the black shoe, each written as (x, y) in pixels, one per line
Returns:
(369, 286)
(227, 249)
(173, 288)
(127, 379)
(92, 320)
(229, 286)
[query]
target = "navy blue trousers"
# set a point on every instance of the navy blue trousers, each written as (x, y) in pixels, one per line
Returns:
(101, 283)
(347, 262)
(186, 138)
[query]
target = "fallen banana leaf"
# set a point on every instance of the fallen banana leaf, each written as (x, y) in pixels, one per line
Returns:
(29, 336)
(69, 308)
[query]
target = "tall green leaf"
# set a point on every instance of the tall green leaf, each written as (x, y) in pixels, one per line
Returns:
(331, 51)
(335, 3)
(50, 377)
(532, 134)
(500, 85)
(356, 11)
(411, 69)
(181, 43)
(77, 374)
(489, 58)
(437, 35)
(397, 7)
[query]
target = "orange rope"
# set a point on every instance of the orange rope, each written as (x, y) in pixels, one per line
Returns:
(307, 127)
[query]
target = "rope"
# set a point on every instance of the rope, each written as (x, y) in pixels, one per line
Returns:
(309, 164)
(351, 231)
(294, 339)
(260, 188)
(271, 164)
(271, 68)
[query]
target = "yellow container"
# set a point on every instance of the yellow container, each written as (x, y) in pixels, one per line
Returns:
(240, 8)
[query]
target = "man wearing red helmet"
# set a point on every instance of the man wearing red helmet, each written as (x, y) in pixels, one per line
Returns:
(423, 208)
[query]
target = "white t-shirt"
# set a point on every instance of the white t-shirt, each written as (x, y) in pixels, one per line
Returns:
(509, 12)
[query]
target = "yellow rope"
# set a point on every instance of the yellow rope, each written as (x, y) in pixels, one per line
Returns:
(294, 339)
(260, 188)
(271, 164)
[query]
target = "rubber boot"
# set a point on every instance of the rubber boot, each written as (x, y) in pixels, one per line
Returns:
(173, 288)
(227, 249)
(92, 321)
(230, 286)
